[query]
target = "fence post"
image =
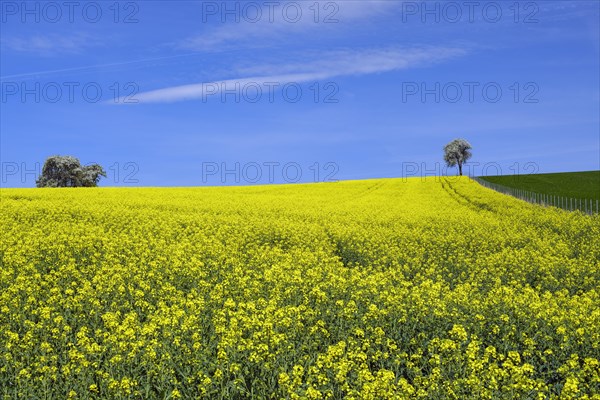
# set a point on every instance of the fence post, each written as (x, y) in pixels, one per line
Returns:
(545, 199)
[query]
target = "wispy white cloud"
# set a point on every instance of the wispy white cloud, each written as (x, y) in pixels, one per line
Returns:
(49, 44)
(346, 62)
(202, 90)
(275, 25)
(333, 64)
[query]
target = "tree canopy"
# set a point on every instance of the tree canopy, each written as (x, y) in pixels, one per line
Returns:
(456, 153)
(67, 171)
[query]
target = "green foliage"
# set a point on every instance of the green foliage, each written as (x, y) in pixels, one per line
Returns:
(66, 171)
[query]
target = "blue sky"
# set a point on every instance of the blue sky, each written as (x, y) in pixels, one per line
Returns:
(172, 93)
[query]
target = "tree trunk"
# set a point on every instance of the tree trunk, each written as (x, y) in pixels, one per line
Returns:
(460, 169)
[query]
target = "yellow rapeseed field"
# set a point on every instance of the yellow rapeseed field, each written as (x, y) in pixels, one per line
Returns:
(361, 290)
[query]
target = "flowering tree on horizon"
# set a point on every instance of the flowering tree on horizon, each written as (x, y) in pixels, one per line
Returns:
(456, 153)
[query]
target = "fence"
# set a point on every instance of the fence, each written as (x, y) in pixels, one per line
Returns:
(589, 206)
